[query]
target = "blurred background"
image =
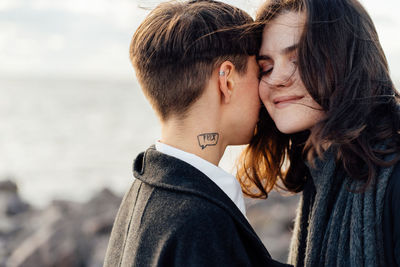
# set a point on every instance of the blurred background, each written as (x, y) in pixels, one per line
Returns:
(72, 119)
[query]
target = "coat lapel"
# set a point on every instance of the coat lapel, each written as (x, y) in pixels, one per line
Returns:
(169, 173)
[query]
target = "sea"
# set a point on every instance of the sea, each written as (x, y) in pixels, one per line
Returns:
(69, 138)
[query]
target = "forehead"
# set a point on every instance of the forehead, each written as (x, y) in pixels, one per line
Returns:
(282, 32)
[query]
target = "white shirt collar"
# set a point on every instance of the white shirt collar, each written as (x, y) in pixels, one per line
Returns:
(226, 181)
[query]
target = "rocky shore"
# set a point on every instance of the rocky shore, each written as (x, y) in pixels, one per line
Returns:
(66, 233)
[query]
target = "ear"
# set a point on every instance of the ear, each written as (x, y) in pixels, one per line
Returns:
(226, 83)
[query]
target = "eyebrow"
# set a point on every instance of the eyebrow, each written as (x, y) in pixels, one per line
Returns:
(290, 49)
(284, 51)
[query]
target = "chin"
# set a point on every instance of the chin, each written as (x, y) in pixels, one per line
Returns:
(289, 129)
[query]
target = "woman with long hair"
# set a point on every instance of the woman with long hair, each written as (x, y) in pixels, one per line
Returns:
(326, 88)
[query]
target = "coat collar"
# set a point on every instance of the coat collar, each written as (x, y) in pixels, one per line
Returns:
(169, 173)
(225, 181)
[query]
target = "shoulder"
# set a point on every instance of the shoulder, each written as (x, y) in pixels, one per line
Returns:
(184, 217)
(185, 209)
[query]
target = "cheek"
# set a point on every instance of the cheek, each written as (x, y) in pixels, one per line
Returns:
(254, 87)
(263, 92)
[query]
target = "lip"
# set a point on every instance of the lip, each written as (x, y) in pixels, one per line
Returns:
(282, 101)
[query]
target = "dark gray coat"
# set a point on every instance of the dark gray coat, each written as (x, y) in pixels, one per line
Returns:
(174, 215)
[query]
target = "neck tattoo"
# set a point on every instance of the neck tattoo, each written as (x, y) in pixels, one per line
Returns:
(207, 139)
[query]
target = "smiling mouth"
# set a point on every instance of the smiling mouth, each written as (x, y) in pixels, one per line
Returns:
(286, 99)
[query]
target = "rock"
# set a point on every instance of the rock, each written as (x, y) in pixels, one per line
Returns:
(50, 246)
(10, 201)
(36, 233)
(16, 205)
(64, 234)
(8, 186)
(272, 219)
(103, 209)
(98, 252)
(7, 226)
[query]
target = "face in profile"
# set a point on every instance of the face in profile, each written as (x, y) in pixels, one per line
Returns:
(245, 103)
(281, 89)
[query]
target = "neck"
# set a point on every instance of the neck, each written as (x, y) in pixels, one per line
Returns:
(198, 137)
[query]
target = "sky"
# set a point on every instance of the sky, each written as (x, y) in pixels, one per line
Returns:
(90, 38)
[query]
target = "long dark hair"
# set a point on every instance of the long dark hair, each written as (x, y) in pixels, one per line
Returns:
(343, 67)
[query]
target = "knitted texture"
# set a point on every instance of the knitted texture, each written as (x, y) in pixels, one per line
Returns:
(335, 225)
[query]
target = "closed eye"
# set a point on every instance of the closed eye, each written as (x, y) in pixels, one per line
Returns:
(264, 73)
(293, 60)
(266, 65)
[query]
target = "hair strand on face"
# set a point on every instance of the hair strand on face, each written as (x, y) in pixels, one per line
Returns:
(344, 69)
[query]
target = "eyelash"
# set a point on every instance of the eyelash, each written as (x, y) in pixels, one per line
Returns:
(266, 72)
(263, 73)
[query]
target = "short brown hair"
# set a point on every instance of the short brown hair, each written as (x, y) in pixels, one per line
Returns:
(177, 46)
